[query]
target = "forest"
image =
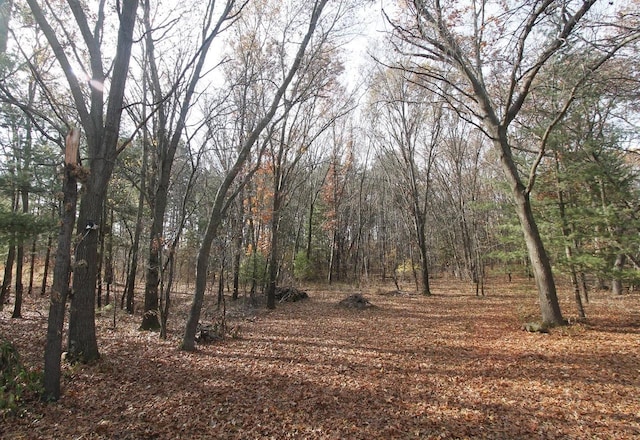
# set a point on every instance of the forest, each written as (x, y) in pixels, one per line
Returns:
(319, 219)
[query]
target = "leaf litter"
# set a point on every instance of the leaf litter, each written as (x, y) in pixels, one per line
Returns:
(450, 366)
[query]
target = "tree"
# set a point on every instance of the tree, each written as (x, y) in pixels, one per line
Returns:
(222, 201)
(306, 117)
(409, 128)
(62, 271)
(167, 138)
(486, 71)
(102, 128)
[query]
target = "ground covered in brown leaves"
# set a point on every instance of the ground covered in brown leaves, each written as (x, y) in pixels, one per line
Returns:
(448, 366)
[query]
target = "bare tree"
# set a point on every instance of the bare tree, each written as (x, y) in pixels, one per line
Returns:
(171, 120)
(486, 71)
(409, 129)
(222, 200)
(62, 270)
(101, 125)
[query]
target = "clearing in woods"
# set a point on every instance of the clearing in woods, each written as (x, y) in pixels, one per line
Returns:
(449, 366)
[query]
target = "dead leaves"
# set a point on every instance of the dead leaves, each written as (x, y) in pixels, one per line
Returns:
(447, 366)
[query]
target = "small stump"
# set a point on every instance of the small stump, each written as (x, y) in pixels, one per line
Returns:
(356, 301)
(290, 294)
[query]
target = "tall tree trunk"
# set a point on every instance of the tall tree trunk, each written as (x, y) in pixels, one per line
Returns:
(237, 246)
(566, 232)
(130, 285)
(5, 16)
(17, 305)
(61, 274)
(83, 345)
(616, 283)
(102, 233)
(32, 265)
(8, 275)
(150, 318)
(273, 253)
(167, 146)
(542, 273)
(540, 265)
(424, 255)
(220, 203)
(108, 259)
(47, 262)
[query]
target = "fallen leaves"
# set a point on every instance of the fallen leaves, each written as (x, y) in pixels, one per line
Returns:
(447, 366)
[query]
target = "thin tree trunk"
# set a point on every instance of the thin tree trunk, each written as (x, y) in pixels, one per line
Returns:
(61, 275)
(5, 16)
(424, 256)
(108, 259)
(135, 247)
(8, 275)
(17, 305)
(237, 247)
(542, 273)
(101, 236)
(47, 262)
(616, 283)
(273, 257)
(220, 205)
(32, 265)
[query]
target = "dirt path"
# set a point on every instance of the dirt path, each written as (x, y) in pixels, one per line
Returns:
(449, 366)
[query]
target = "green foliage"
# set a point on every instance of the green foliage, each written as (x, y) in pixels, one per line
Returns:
(254, 268)
(302, 267)
(17, 383)
(16, 226)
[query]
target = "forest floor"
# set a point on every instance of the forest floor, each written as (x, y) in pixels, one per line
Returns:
(450, 366)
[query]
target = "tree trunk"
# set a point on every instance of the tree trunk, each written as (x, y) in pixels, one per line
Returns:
(5, 16)
(424, 256)
(237, 246)
(61, 278)
(108, 260)
(566, 232)
(135, 247)
(83, 346)
(150, 319)
(32, 265)
(103, 153)
(47, 262)
(220, 205)
(17, 305)
(8, 275)
(542, 273)
(616, 284)
(273, 257)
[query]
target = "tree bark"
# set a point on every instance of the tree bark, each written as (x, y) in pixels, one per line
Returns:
(32, 265)
(103, 152)
(47, 262)
(5, 16)
(543, 275)
(616, 284)
(17, 304)
(273, 254)
(61, 278)
(8, 275)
